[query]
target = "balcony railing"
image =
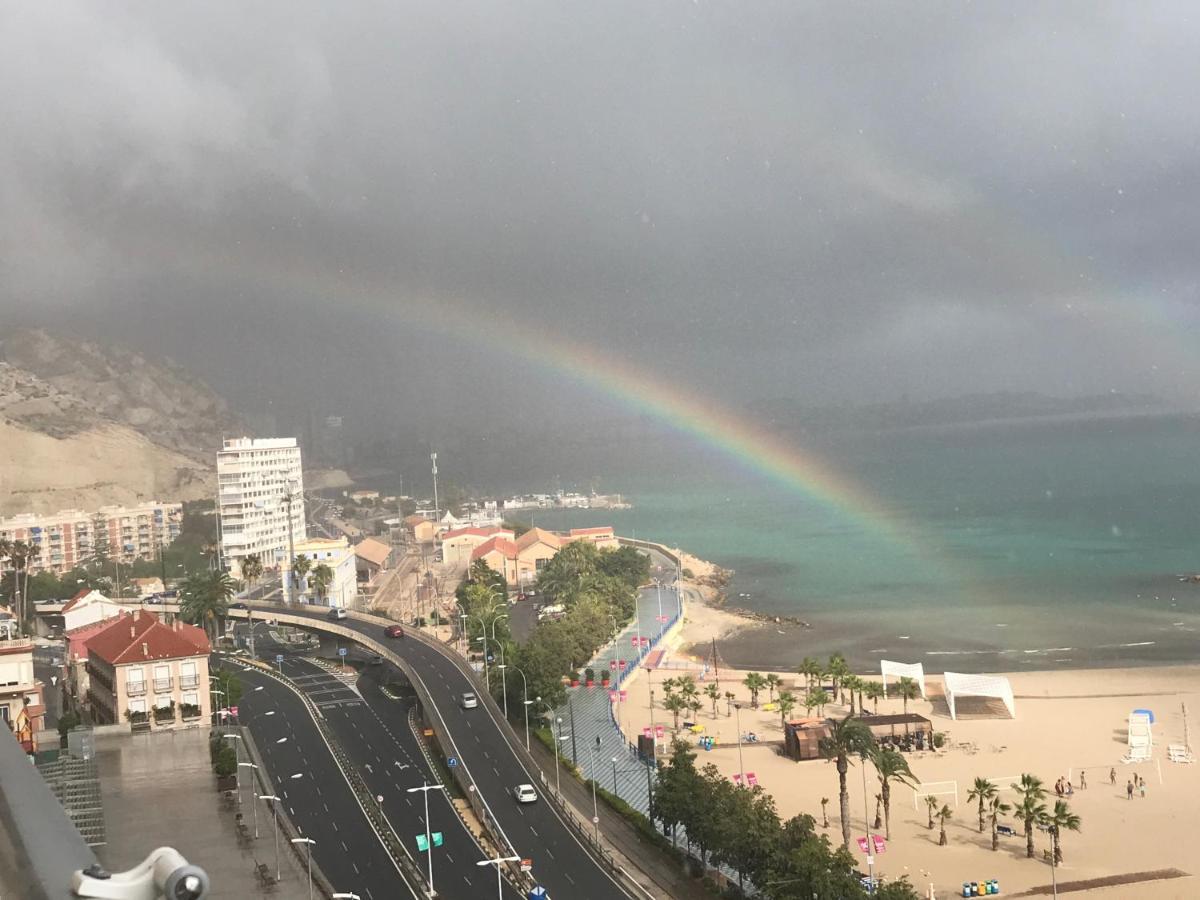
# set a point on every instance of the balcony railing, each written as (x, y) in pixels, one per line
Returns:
(135, 688)
(162, 684)
(189, 681)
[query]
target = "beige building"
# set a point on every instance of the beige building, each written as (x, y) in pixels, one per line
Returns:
(603, 537)
(458, 544)
(419, 530)
(370, 558)
(519, 561)
(21, 694)
(147, 673)
(335, 553)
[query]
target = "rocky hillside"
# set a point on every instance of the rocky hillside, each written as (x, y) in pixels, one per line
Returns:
(82, 425)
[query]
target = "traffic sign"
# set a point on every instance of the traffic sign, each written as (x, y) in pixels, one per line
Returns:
(423, 844)
(452, 762)
(539, 893)
(527, 865)
(278, 657)
(341, 651)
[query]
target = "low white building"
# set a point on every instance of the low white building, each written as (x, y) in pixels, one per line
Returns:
(338, 555)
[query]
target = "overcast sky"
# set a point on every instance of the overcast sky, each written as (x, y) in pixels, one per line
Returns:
(835, 202)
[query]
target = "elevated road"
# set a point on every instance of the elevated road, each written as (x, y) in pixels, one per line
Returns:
(481, 743)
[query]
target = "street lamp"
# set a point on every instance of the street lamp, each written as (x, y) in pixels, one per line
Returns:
(741, 767)
(250, 765)
(309, 842)
(425, 789)
(503, 667)
(595, 806)
(275, 815)
(525, 702)
(614, 764)
(499, 861)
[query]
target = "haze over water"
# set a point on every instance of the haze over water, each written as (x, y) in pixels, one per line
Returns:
(1040, 546)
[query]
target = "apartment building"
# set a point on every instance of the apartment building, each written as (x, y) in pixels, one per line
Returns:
(21, 694)
(71, 537)
(260, 499)
(147, 673)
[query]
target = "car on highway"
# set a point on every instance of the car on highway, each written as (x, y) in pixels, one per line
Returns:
(468, 701)
(524, 793)
(394, 631)
(337, 614)
(375, 660)
(233, 605)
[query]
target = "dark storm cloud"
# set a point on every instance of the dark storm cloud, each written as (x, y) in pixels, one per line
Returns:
(835, 201)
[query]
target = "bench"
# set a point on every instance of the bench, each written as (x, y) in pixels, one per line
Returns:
(266, 879)
(1006, 830)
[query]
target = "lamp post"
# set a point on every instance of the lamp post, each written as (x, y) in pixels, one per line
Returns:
(614, 764)
(503, 667)
(425, 789)
(275, 815)
(462, 633)
(498, 862)
(658, 590)
(309, 842)
(291, 489)
(741, 766)
(595, 805)
(253, 793)
(867, 823)
(525, 702)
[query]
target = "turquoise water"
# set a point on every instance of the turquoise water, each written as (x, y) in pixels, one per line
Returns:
(1020, 547)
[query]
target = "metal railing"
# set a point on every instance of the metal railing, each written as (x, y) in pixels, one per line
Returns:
(189, 681)
(162, 684)
(135, 688)
(39, 847)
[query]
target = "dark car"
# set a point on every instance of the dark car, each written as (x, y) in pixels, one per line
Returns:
(375, 660)
(238, 606)
(394, 631)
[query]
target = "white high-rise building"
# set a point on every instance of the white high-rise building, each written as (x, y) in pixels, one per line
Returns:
(260, 497)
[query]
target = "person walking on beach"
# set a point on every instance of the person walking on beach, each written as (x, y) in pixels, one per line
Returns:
(1129, 790)
(1082, 780)
(1112, 776)
(1142, 787)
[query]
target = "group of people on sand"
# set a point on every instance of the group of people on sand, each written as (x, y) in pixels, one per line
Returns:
(1136, 783)
(1064, 788)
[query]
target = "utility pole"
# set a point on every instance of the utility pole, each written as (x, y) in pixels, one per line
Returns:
(287, 594)
(433, 459)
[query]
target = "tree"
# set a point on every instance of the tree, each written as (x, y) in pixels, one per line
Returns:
(694, 704)
(908, 690)
(300, 566)
(850, 684)
(787, 702)
(824, 812)
(772, 681)
(713, 693)
(754, 682)
(873, 691)
(749, 830)
(1029, 807)
(817, 698)
(675, 793)
(1056, 820)
(322, 578)
(204, 599)
(891, 766)
(837, 670)
(252, 568)
(811, 670)
(675, 704)
(996, 809)
(729, 698)
(847, 737)
(983, 791)
(931, 807)
(943, 814)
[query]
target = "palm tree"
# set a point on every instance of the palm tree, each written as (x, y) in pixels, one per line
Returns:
(874, 691)
(824, 812)
(322, 578)
(713, 693)
(687, 687)
(837, 670)
(908, 690)
(205, 599)
(996, 809)
(1056, 820)
(787, 702)
(931, 807)
(668, 686)
(943, 814)
(674, 704)
(817, 698)
(850, 684)
(754, 682)
(1029, 808)
(878, 823)
(252, 568)
(983, 791)
(810, 669)
(300, 566)
(891, 767)
(729, 698)
(772, 682)
(695, 704)
(847, 737)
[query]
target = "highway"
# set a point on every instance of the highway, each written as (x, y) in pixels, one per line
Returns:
(319, 801)
(535, 831)
(375, 733)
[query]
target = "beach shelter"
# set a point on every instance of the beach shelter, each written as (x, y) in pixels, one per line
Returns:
(898, 670)
(960, 685)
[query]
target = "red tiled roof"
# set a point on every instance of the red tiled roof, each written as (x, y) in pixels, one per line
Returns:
(501, 545)
(538, 535)
(142, 638)
(607, 529)
(373, 551)
(415, 520)
(77, 638)
(493, 531)
(70, 604)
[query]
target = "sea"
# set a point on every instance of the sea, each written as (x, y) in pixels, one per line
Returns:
(1009, 547)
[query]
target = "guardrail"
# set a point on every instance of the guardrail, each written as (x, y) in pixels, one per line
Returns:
(39, 846)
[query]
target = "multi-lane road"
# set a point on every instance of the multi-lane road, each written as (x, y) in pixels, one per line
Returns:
(483, 746)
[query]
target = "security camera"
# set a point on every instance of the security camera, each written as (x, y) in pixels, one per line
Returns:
(163, 875)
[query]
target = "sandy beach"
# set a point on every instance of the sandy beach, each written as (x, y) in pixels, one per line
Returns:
(1067, 723)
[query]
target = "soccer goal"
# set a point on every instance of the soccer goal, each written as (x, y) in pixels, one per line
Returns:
(1004, 782)
(935, 789)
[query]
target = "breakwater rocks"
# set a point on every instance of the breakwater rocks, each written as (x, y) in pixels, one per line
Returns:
(765, 619)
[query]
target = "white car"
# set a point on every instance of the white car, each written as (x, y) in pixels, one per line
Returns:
(524, 793)
(469, 701)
